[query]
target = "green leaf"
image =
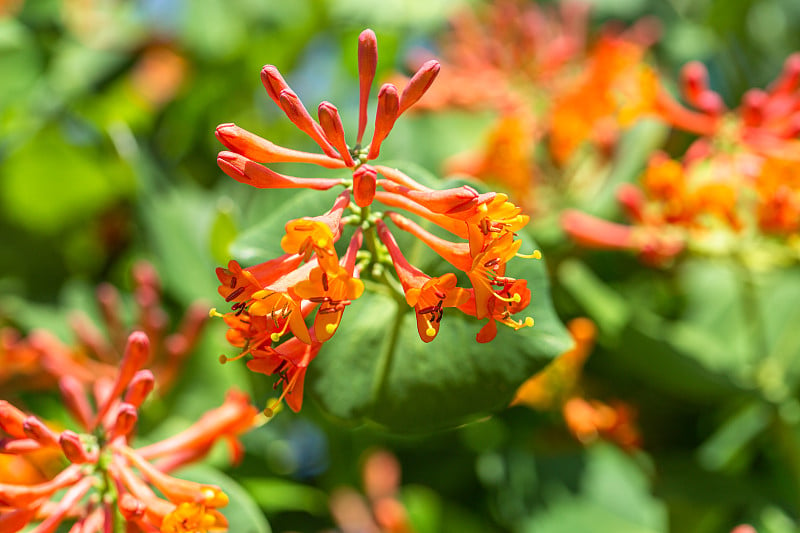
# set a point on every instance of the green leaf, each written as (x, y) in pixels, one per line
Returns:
(614, 497)
(413, 386)
(242, 513)
(276, 495)
(262, 241)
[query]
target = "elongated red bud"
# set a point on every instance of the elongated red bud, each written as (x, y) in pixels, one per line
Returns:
(11, 420)
(364, 183)
(331, 124)
(754, 103)
(388, 111)
(38, 431)
(73, 448)
(367, 65)
(261, 150)
(418, 84)
(136, 354)
(694, 81)
(251, 173)
(789, 79)
(126, 419)
(273, 83)
(633, 200)
(140, 387)
(299, 115)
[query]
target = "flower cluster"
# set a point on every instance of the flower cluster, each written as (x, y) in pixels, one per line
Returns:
(278, 297)
(557, 387)
(534, 65)
(40, 359)
(735, 190)
(106, 479)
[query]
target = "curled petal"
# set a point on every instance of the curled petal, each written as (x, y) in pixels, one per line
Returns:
(249, 172)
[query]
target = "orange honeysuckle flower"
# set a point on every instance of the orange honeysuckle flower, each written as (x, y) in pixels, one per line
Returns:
(493, 219)
(429, 296)
(290, 361)
(106, 471)
(283, 309)
(333, 290)
(623, 89)
(304, 237)
(589, 420)
(190, 517)
(317, 235)
(551, 387)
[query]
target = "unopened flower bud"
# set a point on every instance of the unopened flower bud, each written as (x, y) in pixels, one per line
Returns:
(364, 184)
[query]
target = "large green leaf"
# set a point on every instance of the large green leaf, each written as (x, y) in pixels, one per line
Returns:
(412, 386)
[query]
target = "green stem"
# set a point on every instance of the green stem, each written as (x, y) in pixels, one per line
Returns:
(387, 355)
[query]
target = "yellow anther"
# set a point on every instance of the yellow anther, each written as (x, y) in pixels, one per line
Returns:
(537, 254)
(430, 332)
(516, 298)
(528, 322)
(275, 337)
(213, 313)
(330, 328)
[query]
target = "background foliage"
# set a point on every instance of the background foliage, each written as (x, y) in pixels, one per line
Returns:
(107, 113)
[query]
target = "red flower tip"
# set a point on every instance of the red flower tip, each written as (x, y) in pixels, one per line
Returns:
(364, 183)
(694, 81)
(754, 103)
(388, 111)
(633, 200)
(419, 84)
(36, 430)
(140, 387)
(367, 65)
(11, 420)
(331, 124)
(73, 448)
(789, 79)
(273, 83)
(126, 419)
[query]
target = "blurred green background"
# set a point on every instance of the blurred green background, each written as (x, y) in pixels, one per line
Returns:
(107, 155)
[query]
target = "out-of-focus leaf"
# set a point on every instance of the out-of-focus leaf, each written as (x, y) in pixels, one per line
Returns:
(179, 224)
(49, 183)
(276, 495)
(242, 512)
(738, 431)
(614, 497)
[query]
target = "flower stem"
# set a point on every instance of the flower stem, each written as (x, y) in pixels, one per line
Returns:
(387, 355)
